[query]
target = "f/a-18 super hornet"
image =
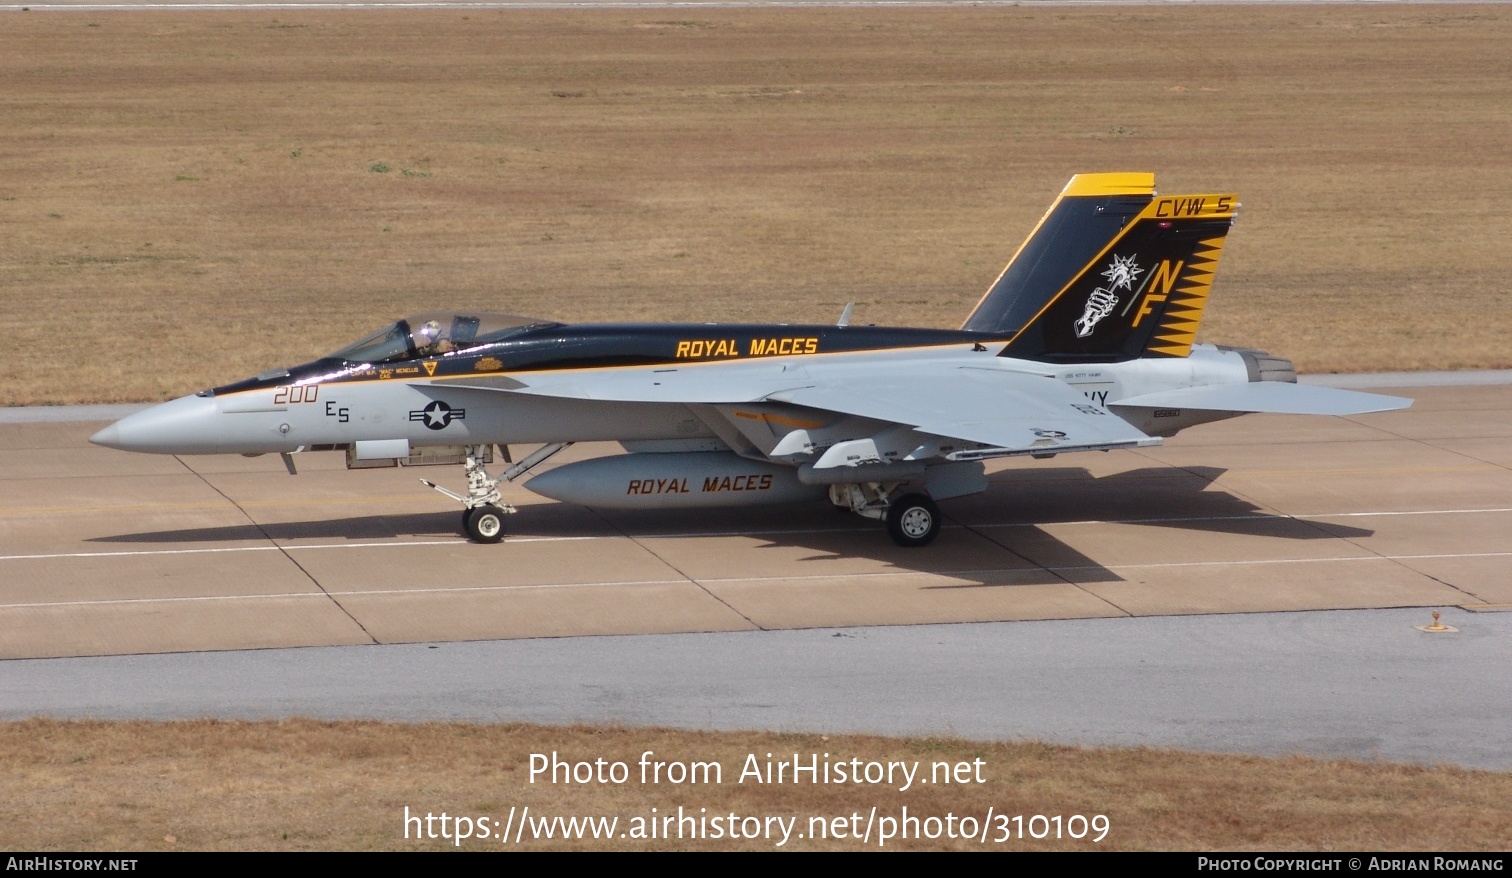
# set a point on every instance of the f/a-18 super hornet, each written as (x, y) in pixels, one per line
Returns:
(1085, 342)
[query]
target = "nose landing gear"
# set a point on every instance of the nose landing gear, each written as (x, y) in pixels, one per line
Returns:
(483, 508)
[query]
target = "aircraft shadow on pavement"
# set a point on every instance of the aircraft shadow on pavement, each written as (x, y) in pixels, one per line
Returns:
(996, 538)
(434, 525)
(1157, 496)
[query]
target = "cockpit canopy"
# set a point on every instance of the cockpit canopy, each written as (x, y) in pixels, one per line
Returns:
(433, 333)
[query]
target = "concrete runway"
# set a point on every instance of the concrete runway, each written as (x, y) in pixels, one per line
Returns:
(108, 553)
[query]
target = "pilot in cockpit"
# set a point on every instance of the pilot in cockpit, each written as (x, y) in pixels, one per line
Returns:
(430, 340)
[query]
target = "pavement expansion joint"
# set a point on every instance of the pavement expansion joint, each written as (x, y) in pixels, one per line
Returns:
(281, 550)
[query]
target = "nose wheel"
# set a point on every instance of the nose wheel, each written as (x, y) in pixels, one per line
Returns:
(484, 524)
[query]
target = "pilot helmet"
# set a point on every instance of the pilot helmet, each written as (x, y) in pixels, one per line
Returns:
(428, 334)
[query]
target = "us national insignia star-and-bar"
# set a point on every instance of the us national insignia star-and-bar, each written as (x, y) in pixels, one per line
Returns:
(438, 415)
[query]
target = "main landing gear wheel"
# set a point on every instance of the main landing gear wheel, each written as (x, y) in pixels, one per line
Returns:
(913, 520)
(485, 524)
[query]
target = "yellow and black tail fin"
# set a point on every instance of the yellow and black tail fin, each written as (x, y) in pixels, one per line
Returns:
(1091, 211)
(1142, 294)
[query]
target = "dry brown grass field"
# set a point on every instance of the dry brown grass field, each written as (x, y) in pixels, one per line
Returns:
(308, 785)
(188, 198)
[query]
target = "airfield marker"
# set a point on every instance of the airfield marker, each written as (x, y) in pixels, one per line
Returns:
(1437, 627)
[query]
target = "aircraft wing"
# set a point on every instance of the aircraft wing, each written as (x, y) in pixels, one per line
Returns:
(1010, 411)
(672, 384)
(1274, 397)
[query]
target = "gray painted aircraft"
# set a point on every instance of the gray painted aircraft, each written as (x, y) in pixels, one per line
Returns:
(1085, 342)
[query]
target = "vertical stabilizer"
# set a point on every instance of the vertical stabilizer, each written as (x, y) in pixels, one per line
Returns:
(1142, 294)
(1090, 212)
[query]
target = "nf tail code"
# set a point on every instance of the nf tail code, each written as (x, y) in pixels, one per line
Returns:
(1142, 294)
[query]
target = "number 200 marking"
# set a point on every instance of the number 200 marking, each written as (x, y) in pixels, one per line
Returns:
(296, 394)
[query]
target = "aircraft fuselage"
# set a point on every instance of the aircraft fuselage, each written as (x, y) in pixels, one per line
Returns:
(445, 400)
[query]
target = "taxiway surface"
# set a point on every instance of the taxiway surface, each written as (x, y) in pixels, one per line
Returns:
(1360, 684)
(108, 553)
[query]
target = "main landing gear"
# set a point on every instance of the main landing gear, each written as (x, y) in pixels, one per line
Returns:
(913, 520)
(483, 508)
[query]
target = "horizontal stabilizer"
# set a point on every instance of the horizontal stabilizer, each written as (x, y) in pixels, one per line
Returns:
(1274, 397)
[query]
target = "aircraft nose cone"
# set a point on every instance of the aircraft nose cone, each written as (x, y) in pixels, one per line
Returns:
(110, 437)
(181, 426)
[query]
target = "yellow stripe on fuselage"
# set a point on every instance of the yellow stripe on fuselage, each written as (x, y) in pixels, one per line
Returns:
(652, 367)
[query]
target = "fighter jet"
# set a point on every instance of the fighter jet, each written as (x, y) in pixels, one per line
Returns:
(1085, 342)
